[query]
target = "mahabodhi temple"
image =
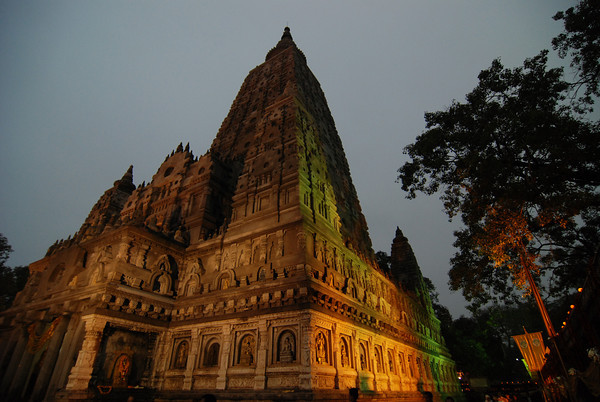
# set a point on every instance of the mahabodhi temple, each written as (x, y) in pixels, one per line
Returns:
(246, 273)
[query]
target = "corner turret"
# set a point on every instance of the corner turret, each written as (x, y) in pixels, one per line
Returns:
(107, 210)
(405, 268)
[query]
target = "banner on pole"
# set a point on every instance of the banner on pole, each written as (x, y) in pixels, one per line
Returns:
(532, 348)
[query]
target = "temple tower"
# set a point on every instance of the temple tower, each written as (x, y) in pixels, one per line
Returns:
(246, 273)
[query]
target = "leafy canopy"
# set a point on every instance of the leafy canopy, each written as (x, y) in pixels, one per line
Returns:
(581, 41)
(520, 166)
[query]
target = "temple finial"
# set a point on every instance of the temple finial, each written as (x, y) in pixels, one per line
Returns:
(286, 33)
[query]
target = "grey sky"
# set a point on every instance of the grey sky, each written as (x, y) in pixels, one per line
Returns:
(89, 87)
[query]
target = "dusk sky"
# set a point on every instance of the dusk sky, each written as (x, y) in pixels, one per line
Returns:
(88, 88)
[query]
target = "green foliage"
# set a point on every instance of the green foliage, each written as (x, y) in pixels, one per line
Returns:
(12, 280)
(5, 250)
(384, 261)
(581, 41)
(482, 345)
(521, 167)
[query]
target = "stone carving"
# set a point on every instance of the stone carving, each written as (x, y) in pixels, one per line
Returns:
(391, 363)
(344, 356)
(241, 382)
(379, 366)
(363, 358)
(321, 344)
(192, 285)
(204, 382)
(121, 371)
(124, 252)
(323, 381)
(142, 255)
(162, 283)
(283, 382)
(287, 347)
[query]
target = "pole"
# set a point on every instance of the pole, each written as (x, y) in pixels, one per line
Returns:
(547, 322)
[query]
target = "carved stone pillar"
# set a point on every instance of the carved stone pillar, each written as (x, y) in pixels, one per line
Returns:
(74, 332)
(261, 361)
(81, 373)
(356, 357)
(150, 353)
(301, 240)
(50, 360)
(191, 361)
(11, 369)
(335, 344)
(280, 244)
(20, 373)
(163, 344)
(263, 249)
(305, 379)
(225, 358)
(7, 345)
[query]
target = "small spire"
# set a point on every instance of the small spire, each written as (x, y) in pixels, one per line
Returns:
(129, 173)
(126, 182)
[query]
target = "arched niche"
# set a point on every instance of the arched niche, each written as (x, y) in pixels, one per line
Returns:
(121, 371)
(378, 360)
(210, 357)
(261, 274)
(192, 285)
(391, 363)
(286, 347)
(225, 280)
(363, 357)
(322, 348)
(164, 276)
(345, 353)
(180, 354)
(246, 351)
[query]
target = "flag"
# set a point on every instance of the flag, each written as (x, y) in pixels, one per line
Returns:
(532, 348)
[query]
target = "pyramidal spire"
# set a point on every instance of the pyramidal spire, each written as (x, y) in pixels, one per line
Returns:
(281, 130)
(405, 268)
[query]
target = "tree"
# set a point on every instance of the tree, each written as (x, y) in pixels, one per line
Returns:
(11, 280)
(522, 168)
(5, 250)
(384, 261)
(581, 41)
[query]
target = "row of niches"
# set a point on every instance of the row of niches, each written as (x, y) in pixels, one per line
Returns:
(359, 354)
(394, 309)
(283, 349)
(349, 276)
(404, 362)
